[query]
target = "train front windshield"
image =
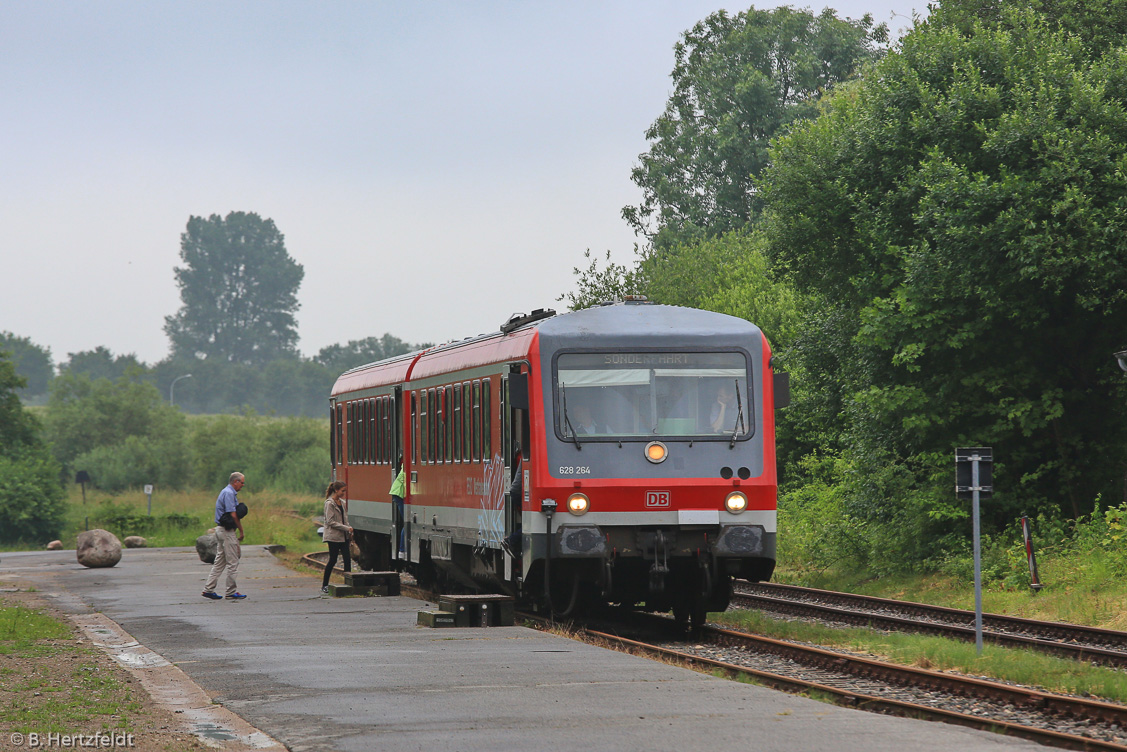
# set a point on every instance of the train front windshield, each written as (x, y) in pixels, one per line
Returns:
(648, 394)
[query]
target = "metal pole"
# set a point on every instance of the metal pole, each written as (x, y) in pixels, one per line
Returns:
(977, 558)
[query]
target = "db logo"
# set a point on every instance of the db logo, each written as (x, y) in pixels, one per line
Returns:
(656, 499)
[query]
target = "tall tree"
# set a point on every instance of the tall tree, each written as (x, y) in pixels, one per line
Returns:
(31, 361)
(958, 222)
(239, 289)
(738, 82)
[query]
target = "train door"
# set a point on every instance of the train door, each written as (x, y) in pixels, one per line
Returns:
(514, 411)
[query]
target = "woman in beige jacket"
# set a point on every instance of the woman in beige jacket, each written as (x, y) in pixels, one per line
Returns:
(337, 532)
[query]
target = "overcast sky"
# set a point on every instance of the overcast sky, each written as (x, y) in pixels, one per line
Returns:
(434, 166)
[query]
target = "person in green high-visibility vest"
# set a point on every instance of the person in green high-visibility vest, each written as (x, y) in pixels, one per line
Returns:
(397, 491)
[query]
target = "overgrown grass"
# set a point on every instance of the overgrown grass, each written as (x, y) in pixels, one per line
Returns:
(940, 654)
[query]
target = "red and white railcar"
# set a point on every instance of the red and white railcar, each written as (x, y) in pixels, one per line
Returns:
(643, 437)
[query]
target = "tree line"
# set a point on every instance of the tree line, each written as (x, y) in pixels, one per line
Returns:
(931, 234)
(233, 356)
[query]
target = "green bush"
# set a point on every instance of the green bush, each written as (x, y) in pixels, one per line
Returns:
(138, 461)
(32, 505)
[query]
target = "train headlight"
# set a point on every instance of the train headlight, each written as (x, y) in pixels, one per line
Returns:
(578, 504)
(736, 502)
(656, 452)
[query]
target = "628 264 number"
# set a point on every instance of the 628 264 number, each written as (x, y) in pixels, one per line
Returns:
(570, 470)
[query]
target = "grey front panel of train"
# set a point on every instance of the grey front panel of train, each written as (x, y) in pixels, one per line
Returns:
(651, 329)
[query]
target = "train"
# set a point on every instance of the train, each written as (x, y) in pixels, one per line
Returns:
(620, 454)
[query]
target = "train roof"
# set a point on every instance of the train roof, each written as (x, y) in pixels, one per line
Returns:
(643, 324)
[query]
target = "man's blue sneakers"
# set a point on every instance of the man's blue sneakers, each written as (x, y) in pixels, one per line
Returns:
(235, 596)
(213, 596)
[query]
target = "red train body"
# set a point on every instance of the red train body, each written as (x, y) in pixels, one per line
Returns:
(645, 441)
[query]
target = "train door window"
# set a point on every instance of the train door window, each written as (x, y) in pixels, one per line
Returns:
(339, 428)
(476, 421)
(457, 422)
(486, 422)
(414, 430)
(389, 431)
(388, 437)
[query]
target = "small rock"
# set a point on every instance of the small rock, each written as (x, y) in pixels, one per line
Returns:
(98, 548)
(136, 541)
(55, 545)
(206, 545)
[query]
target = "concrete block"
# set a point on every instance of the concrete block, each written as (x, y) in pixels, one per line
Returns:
(340, 591)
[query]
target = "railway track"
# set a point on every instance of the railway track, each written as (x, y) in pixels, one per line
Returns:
(1103, 647)
(864, 683)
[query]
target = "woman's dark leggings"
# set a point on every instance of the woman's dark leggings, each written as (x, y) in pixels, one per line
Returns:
(336, 549)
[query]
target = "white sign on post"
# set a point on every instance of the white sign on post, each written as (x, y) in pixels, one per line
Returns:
(148, 490)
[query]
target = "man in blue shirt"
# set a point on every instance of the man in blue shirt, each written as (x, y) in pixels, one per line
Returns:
(228, 534)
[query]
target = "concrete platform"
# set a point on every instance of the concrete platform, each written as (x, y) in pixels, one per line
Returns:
(360, 674)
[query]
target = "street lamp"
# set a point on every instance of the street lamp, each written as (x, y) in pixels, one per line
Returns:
(172, 388)
(1121, 356)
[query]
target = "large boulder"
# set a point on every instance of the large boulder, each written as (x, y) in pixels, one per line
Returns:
(98, 548)
(136, 541)
(55, 545)
(206, 545)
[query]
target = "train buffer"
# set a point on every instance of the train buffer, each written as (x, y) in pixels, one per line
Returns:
(367, 583)
(471, 611)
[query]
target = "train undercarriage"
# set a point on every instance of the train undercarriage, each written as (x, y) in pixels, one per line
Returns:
(645, 569)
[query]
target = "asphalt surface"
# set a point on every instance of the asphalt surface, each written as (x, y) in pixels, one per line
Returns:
(358, 674)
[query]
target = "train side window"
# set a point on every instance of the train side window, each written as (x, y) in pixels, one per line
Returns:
(361, 432)
(333, 435)
(350, 416)
(448, 423)
(486, 422)
(440, 429)
(467, 415)
(377, 430)
(430, 425)
(457, 422)
(339, 428)
(476, 421)
(424, 423)
(367, 439)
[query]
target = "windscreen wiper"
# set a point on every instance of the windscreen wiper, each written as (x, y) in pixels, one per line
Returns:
(739, 416)
(567, 420)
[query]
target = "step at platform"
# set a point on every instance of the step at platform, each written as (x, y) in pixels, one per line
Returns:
(479, 610)
(373, 583)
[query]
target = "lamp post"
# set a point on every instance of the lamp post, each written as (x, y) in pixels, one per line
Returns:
(1121, 356)
(172, 388)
